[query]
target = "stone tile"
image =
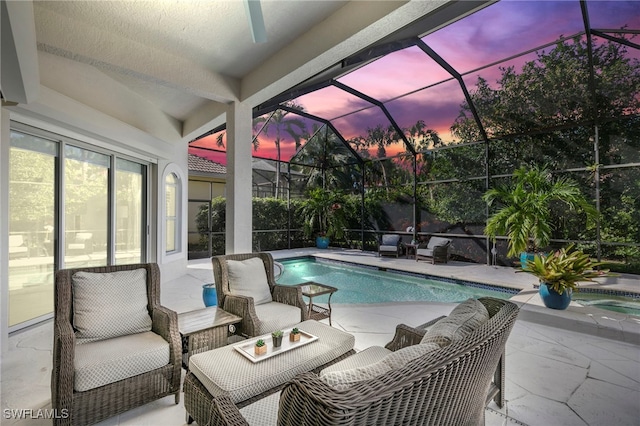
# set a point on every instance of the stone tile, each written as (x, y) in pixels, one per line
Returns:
(535, 410)
(559, 353)
(160, 412)
(626, 350)
(544, 377)
(599, 371)
(493, 418)
(601, 403)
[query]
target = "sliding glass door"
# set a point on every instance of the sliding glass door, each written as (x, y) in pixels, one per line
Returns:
(70, 206)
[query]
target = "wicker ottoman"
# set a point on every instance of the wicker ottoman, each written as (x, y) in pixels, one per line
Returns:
(223, 376)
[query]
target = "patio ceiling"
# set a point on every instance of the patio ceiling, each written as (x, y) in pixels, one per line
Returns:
(167, 70)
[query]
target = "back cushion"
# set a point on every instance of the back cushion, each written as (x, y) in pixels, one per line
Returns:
(249, 278)
(107, 305)
(462, 320)
(344, 379)
(390, 240)
(437, 241)
(401, 357)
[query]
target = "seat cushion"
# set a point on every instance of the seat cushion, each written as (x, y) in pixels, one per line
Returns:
(276, 316)
(108, 361)
(437, 241)
(424, 252)
(389, 248)
(249, 278)
(108, 305)
(462, 320)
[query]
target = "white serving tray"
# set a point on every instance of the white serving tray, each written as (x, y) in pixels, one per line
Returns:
(246, 347)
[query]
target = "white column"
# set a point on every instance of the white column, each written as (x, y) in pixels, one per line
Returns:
(239, 207)
(5, 139)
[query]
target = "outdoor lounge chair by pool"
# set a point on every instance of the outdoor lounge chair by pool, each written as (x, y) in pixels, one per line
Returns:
(390, 245)
(246, 287)
(437, 250)
(115, 347)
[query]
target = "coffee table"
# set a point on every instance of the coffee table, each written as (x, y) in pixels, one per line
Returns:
(312, 289)
(204, 329)
(224, 376)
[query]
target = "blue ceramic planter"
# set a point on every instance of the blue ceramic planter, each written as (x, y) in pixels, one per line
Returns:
(525, 257)
(554, 300)
(209, 295)
(322, 242)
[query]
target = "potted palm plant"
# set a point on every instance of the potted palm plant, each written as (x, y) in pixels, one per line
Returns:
(524, 214)
(560, 272)
(324, 216)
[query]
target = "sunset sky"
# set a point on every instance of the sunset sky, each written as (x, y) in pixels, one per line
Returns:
(497, 32)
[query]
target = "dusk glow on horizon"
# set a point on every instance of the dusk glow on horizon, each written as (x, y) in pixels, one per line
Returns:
(413, 87)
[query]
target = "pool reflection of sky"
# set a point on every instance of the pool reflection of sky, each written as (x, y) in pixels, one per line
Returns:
(494, 33)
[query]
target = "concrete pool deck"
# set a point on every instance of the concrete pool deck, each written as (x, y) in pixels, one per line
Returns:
(575, 367)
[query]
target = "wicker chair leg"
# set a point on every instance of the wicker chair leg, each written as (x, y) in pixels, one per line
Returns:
(178, 397)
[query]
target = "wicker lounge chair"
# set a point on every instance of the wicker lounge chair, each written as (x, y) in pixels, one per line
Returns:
(263, 306)
(115, 347)
(437, 250)
(390, 245)
(448, 386)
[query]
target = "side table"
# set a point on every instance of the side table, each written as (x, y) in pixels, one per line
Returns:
(411, 250)
(312, 289)
(204, 329)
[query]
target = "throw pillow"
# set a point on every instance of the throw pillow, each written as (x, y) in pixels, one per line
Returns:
(249, 278)
(107, 305)
(462, 320)
(344, 379)
(401, 357)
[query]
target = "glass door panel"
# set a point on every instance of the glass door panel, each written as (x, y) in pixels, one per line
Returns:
(86, 201)
(32, 171)
(129, 212)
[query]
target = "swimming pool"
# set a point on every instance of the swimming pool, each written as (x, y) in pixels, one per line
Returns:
(611, 302)
(361, 284)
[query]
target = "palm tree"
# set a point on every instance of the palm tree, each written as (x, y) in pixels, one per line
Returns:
(525, 215)
(283, 122)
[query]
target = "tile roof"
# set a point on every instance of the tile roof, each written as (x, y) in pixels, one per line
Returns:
(203, 165)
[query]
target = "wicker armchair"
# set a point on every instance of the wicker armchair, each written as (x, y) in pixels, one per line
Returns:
(267, 317)
(99, 403)
(450, 386)
(437, 250)
(390, 245)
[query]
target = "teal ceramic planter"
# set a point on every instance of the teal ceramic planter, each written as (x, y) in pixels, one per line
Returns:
(525, 257)
(322, 242)
(209, 295)
(554, 300)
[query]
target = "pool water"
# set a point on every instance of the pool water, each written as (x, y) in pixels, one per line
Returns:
(624, 305)
(364, 285)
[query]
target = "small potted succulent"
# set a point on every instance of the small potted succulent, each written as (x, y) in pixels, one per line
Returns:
(560, 272)
(277, 338)
(294, 336)
(260, 347)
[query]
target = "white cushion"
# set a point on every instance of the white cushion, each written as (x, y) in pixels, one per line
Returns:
(367, 356)
(462, 320)
(401, 357)
(276, 316)
(388, 248)
(344, 379)
(249, 278)
(425, 252)
(108, 361)
(107, 305)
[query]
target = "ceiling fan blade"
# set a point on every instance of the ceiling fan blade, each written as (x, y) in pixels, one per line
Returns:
(256, 21)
